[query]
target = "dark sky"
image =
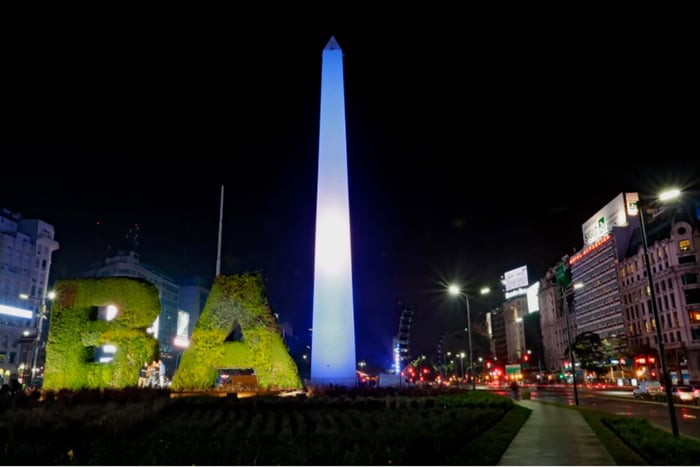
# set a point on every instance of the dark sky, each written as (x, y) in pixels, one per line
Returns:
(471, 151)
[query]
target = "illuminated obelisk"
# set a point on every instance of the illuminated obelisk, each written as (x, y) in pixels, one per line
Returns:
(333, 333)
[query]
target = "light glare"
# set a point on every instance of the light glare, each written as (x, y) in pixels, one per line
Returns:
(111, 312)
(670, 194)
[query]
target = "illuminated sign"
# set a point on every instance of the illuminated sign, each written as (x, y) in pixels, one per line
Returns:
(533, 300)
(613, 214)
(581, 254)
(516, 278)
(13, 311)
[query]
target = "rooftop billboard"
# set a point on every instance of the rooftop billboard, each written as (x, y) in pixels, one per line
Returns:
(613, 214)
(516, 278)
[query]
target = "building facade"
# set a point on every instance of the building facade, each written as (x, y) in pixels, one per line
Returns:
(26, 251)
(598, 302)
(614, 299)
(552, 323)
(514, 310)
(674, 244)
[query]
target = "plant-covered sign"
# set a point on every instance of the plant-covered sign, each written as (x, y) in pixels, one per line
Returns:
(98, 332)
(237, 330)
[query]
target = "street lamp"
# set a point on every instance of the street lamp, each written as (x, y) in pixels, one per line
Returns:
(577, 285)
(655, 312)
(40, 326)
(454, 290)
(461, 356)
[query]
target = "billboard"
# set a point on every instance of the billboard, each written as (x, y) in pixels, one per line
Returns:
(533, 298)
(613, 214)
(516, 278)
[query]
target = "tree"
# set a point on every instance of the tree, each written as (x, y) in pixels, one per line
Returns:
(590, 351)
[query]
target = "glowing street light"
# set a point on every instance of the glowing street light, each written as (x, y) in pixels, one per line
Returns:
(454, 290)
(665, 196)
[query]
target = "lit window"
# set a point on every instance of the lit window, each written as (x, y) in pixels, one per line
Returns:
(684, 245)
(694, 316)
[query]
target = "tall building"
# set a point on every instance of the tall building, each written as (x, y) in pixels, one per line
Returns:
(128, 264)
(514, 310)
(499, 345)
(333, 338)
(191, 299)
(553, 323)
(598, 303)
(26, 250)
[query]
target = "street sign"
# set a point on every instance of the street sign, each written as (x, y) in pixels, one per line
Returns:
(563, 274)
(513, 369)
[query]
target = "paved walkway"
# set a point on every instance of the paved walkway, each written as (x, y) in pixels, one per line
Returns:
(555, 436)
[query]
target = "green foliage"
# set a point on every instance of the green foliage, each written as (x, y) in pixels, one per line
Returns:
(475, 399)
(255, 431)
(590, 351)
(237, 301)
(73, 332)
(656, 446)
(618, 449)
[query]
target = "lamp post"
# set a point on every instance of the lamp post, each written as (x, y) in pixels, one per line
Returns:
(40, 326)
(655, 313)
(454, 290)
(447, 362)
(568, 339)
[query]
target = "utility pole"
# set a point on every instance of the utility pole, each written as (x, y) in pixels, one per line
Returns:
(221, 223)
(564, 280)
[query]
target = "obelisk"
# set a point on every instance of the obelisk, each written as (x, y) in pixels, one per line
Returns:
(333, 333)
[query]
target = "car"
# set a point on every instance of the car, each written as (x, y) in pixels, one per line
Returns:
(647, 388)
(683, 393)
(696, 390)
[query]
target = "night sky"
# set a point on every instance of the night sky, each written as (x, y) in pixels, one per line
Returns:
(469, 154)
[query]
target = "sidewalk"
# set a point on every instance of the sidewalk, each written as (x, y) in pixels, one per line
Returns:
(555, 436)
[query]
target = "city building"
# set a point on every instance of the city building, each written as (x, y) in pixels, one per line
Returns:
(497, 331)
(673, 244)
(553, 323)
(595, 304)
(514, 310)
(598, 301)
(191, 300)
(612, 297)
(26, 250)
